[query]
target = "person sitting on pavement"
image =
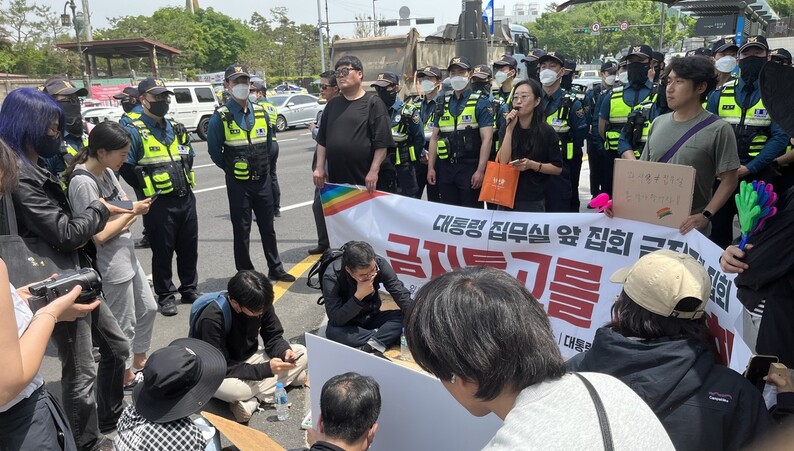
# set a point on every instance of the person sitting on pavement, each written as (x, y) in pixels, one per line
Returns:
(349, 408)
(659, 345)
(179, 380)
(489, 341)
(352, 301)
(251, 374)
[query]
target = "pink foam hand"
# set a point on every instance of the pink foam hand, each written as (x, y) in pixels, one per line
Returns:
(769, 213)
(601, 202)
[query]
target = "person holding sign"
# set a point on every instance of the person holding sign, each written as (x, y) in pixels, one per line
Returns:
(694, 137)
(530, 145)
(490, 342)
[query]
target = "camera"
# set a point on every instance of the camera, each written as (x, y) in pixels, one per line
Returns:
(47, 291)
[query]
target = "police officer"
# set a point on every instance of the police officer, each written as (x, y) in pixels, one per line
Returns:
(566, 114)
(129, 102)
(636, 97)
(406, 129)
(429, 79)
(595, 145)
(238, 138)
(259, 95)
(724, 52)
(505, 71)
(780, 56)
(759, 139)
(74, 136)
(161, 161)
(531, 63)
(461, 141)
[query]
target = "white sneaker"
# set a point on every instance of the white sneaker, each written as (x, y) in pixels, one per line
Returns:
(244, 410)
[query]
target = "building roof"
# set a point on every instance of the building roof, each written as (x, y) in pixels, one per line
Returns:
(122, 48)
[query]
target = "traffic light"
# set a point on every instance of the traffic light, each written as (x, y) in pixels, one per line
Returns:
(581, 31)
(387, 23)
(610, 29)
(424, 20)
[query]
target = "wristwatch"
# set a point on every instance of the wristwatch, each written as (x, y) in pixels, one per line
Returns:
(706, 214)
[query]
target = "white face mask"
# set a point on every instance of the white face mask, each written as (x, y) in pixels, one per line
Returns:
(624, 77)
(500, 77)
(427, 86)
(726, 64)
(548, 77)
(240, 91)
(459, 83)
(252, 98)
(609, 80)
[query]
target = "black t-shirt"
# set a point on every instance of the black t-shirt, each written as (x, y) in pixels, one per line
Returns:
(544, 149)
(350, 132)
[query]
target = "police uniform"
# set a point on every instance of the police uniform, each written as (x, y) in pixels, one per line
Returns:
(238, 143)
(458, 121)
(595, 145)
(162, 158)
(566, 115)
(427, 110)
(759, 139)
(273, 151)
(71, 142)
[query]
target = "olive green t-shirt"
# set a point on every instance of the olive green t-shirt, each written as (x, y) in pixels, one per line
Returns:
(711, 151)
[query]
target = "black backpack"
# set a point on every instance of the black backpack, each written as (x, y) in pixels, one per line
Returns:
(319, 267)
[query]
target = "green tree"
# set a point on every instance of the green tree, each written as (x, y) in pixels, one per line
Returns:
(28, 33)
(783, 8)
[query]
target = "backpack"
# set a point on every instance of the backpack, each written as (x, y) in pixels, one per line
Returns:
(202, 302)
(319, 267)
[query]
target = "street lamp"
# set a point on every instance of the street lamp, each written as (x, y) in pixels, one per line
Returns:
(67, 21)
(374, 21)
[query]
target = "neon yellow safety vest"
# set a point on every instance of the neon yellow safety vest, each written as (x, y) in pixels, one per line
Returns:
(752, 126)
(399, 132)
(460, 135)
(559, 122)
(165, 168)
(133, 116)
(272, 114)
(619, 112)
(246, 152)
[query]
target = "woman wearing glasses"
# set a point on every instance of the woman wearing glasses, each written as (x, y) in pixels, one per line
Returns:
(530, 145)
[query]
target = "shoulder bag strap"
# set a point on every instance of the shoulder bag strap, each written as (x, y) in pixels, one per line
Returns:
(690, 133)
(10, 214)
(606, 432)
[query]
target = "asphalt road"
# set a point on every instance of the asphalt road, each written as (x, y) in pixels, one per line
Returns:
(296, 307)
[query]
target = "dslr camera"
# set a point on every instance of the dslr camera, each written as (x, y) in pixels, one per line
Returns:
(47, 291)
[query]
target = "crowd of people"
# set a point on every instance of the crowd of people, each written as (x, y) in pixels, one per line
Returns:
(488, 340)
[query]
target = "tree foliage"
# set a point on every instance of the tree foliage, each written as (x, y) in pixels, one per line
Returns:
(555, 29)
(783, 8)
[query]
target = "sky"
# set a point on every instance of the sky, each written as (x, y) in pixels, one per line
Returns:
(300, 11)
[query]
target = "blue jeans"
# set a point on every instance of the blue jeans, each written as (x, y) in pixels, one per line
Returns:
(92, 395)
(385, 327)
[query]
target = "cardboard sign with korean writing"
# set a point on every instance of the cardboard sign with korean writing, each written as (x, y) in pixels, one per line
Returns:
(657, 193)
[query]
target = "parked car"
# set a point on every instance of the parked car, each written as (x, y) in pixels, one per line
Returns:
(296, 109)
(192, 105)
(97, 114)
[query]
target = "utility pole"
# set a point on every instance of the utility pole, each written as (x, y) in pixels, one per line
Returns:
(320, 35)
(661, 27)
(89, 36)
(374, 21)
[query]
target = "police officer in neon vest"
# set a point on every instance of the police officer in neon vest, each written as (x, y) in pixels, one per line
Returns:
(595, 145)
(74, 137)
(505, 71)
(566, 114)
(461, 140)
(429, 80)
(259, 95)
(161, 161)
(238, 139)
(406, 129)
(759, 139)
(129, 102)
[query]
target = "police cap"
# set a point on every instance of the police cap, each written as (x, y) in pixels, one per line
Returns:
(62, 86)
(754, 41)
(153, 86)
(482, 72)
(386, 79)
(236, 71)
(459, 61)
(129, 91)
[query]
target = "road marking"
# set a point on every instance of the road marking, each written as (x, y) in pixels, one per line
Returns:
(302, 204)
(280, 288)
(203, 166)
(198, 191)
(288, 139)
(304, 134)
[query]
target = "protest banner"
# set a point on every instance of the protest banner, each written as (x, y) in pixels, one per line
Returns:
(564, 259)
(657, 193)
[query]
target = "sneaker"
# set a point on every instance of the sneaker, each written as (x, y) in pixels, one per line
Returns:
(244, 410)
(168, 307)
(143, 243)
(281, 276)
(317, 250)
(135, 381)
(189, 298)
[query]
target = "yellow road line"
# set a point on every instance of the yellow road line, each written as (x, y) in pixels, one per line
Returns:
(280, 288)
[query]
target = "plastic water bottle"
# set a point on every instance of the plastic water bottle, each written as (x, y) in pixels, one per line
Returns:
(280, 398)
(405, 354)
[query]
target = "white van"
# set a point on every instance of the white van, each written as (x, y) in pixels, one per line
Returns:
(192, 104)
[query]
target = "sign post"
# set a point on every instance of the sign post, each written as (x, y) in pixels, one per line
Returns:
(596, 29)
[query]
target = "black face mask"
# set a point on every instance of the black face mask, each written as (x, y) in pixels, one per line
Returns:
(47, 146)
(638, 73)
(127, 105)
(388, 97)
(533, 70)
(159, 109)
(74, 120)
(566, 82)
(482, 86)
(750, 68)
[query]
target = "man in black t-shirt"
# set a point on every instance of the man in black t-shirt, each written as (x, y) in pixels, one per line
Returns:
(354, 133)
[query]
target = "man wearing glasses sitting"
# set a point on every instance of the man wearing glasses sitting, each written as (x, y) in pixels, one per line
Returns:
(352, 301)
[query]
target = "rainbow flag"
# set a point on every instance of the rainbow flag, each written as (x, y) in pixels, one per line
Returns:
(336, 198)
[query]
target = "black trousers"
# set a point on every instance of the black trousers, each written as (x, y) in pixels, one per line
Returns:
(246, 197)
(273, 157)
(558, 191)
(575, 170)
(172, 225)
(36, 423)
(421, 182)
(609, 171)
(596, 160)
(319, 221)
(454, 183)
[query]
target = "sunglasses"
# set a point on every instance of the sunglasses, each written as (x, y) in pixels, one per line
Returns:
(324, 87)
(343, 72)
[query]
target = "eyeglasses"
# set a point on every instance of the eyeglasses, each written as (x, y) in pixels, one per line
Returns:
(343, 72)
(522, 98)
(324, 87)
(369, 275)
